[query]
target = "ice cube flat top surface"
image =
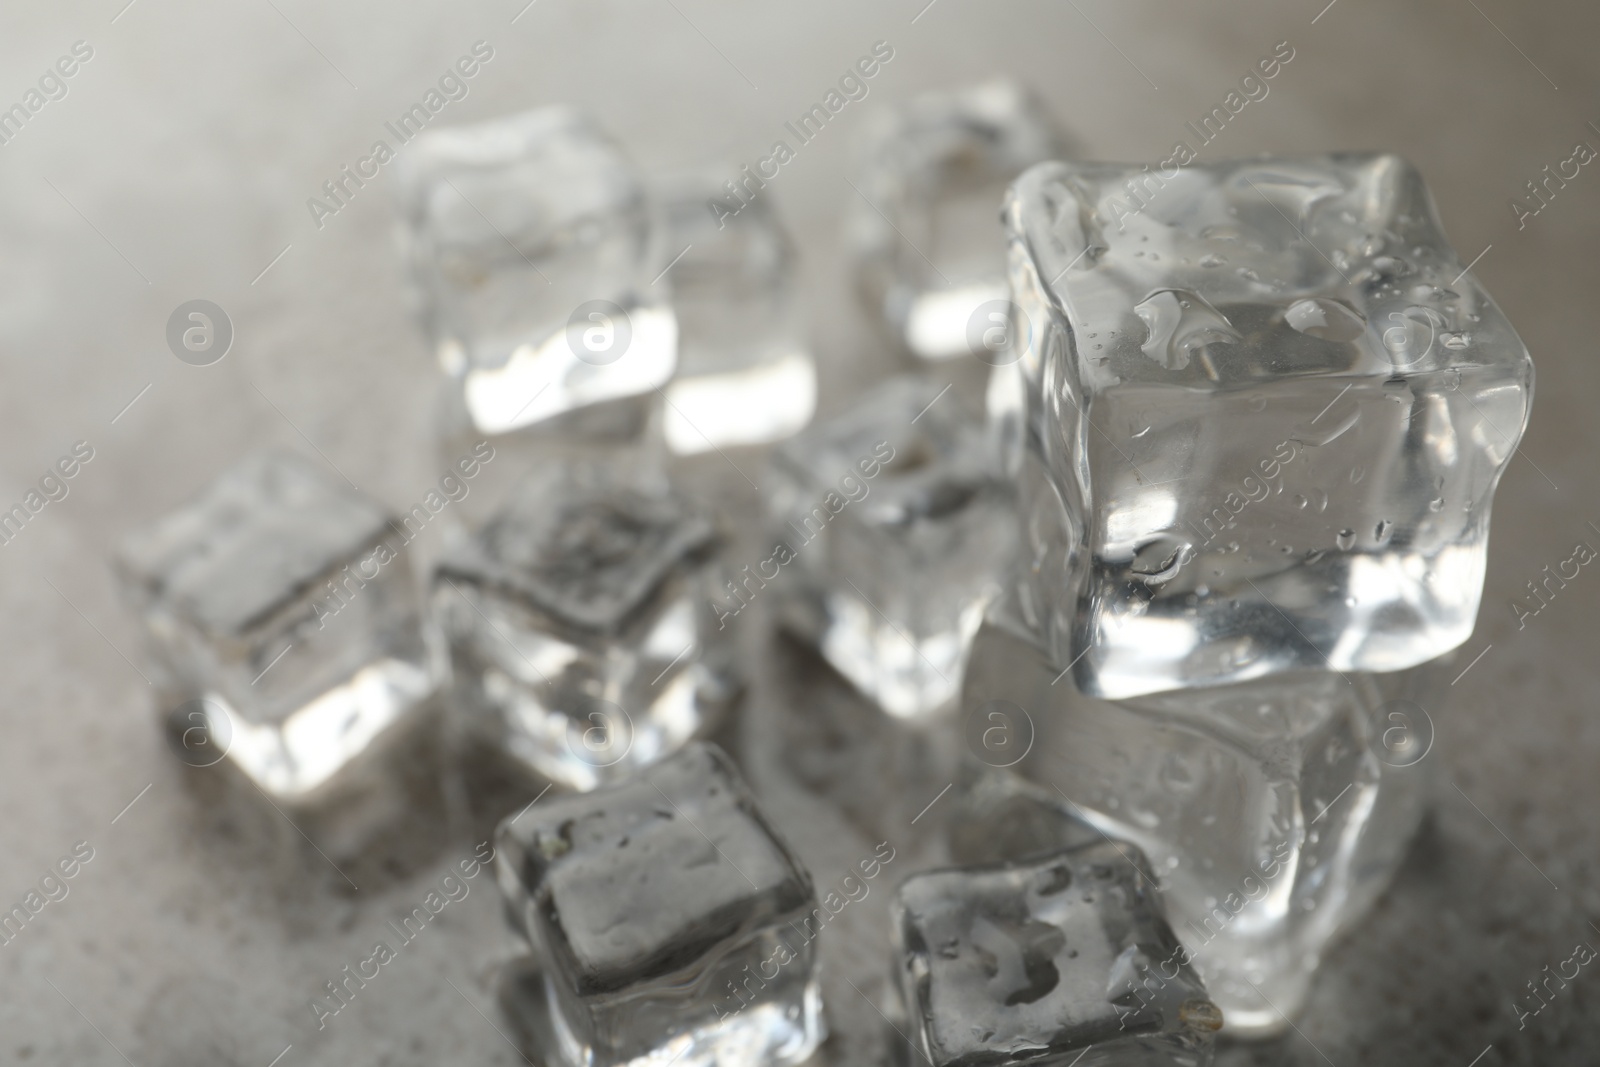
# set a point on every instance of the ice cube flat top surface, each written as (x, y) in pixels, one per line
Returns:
(1025, 959)
(1216, 276)
(256, 539)
(992, 129)
(585, 549)
(640, 879)
(938, 462)
(509, 179)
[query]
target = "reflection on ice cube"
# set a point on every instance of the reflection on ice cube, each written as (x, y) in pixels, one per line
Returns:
(747, 406)
(538, 383)
(307, 748)
(938, 324)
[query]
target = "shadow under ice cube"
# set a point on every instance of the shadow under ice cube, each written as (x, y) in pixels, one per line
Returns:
(669, 922)
(900, 534)
(533, 249)
(580, 625)
(1062, 960)
(286, 631)
(1259, 421)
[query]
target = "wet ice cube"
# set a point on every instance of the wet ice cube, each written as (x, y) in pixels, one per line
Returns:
(669, 920)
(532, 247)
(744, 373)
(283, 616)
(1040, 962)
(1273, 812)
(580, 625)
(930, 253)
(899, 533)
(1259, 423)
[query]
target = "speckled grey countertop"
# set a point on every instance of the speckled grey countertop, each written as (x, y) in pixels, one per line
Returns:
(178, 165)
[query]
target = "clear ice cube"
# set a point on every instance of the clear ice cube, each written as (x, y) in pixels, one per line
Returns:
(1273, 812)
(671, 923)
(899, 532)
(1258, 422)
(284, 622)
(581, 626)
(534, 253)
(744, 376)
(929, 252)
(1066, 959)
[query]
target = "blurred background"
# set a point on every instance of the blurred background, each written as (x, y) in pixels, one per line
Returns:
(177, 166)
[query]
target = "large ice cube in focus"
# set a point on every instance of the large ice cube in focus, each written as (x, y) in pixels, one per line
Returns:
(285, 624)
(929, 251)
(534, 253)
(671, 922)
(1258, 419)
(745, 376)
(581, 626)
(1061, 960)
(899, 532)
(1273, 812)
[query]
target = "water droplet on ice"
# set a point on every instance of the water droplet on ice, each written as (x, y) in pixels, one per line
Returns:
(1346, 539)
(1328, 320)
(1179, 322)
(1159, 560)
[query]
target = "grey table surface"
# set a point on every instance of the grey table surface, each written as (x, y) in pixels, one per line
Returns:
(178, 166)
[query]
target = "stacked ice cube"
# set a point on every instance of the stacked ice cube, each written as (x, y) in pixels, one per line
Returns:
(1245, 425)
(1256, 428)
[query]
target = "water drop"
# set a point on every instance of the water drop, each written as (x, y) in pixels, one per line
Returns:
(1327, 320)
(1179, 322)
(1346, 539)
(1300, 501)
(1381, 532)
(1436, 504)
(1213, 259)
(1159, 560)
(1456, 341)
(1357, 473)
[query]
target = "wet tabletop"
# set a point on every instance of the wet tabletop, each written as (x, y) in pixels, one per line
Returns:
(175, 164)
